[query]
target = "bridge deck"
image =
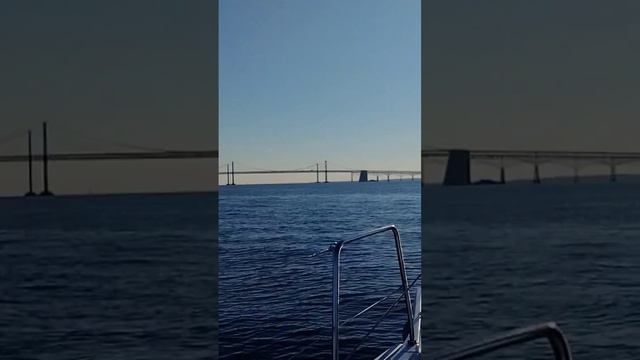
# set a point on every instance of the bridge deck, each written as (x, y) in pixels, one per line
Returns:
(178, 154)
(539, 154)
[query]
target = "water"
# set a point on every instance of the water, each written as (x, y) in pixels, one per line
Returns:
(133, 276)
(108, 277)
(276, 301)
(499, 257)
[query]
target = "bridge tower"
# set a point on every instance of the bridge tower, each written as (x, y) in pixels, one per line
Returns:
(45, 162)
(364, 176)
(233, 174)
(30, 193)
(326, 177)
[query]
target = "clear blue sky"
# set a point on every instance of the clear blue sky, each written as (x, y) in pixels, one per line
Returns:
(302, 81)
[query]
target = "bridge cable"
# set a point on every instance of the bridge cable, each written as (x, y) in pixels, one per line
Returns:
(308, 167)
(252, 167)
(342, 167)
(112, 142)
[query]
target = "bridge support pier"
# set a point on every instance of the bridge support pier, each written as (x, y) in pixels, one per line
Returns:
(364, 176)
(30, 193)
(536, 174)
(388, 178)
(317, 173)
(502, 176)
(576, 178)
(612, 175)
(458, 168)
(45, 162)
(227, 174)
(351, 177)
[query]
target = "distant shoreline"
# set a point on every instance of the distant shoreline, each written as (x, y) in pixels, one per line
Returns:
(211, 192)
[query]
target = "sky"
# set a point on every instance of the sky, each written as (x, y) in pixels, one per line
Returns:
(102, 72)
(519, 74)
(304, 81)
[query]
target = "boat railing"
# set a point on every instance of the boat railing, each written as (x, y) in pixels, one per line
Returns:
(550, 331)
(336, 249)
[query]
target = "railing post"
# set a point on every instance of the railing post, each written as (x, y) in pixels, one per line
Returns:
(335, 323)
(405, 285)
(336, 248)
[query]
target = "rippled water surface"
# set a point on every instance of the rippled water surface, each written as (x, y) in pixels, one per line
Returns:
(499, 257)
(108, 277)
(275, 301)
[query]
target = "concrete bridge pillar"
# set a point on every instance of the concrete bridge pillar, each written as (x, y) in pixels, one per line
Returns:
(536, 174)
(364, 176)
(502, 177)
(458, 168)
(536, 170)
(388, 178)
(228, 174)
(576, 178)
(317, 173)
(612, 175)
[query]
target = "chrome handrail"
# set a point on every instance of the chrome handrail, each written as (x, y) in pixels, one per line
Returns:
(549, 330)
(336, 249)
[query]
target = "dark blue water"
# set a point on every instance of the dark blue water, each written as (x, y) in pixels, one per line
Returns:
(499, 257)
(275, 301)
(108, 277)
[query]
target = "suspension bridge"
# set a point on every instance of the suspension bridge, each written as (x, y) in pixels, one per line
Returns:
(45, 157)
(364, 175)
(458, 170)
